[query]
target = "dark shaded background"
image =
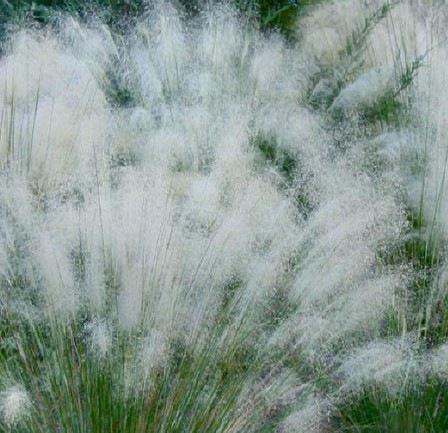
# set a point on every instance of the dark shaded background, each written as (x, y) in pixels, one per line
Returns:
(270, 15)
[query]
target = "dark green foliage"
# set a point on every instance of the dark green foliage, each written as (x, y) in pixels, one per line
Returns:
(387, 109)
(278, 308)
(118, 95)
(420, 409)
(276, 157)
(437, 327)
(294, 180)
(270, 14)
(230, 295)
(277, 14)
(113, 11)
(420, 251)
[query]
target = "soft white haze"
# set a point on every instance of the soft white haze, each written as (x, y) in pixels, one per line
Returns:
(142, 216)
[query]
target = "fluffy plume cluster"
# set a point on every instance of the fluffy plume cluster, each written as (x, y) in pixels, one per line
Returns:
(14, 405)
(387, 364)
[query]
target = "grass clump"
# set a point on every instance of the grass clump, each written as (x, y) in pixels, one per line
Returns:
(222, 219)
(421, 408)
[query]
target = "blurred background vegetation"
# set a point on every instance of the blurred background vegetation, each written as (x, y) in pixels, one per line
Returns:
(277, 15)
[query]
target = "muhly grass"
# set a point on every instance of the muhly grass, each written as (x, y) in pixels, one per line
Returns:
(206, 226)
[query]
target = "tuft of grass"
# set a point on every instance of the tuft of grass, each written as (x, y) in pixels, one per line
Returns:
(77, 390)
(264, 288)
(422, 408)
